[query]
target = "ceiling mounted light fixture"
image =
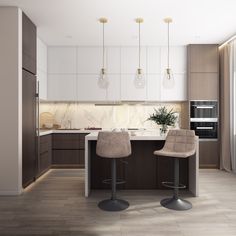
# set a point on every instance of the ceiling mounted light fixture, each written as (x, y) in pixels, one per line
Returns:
(168, 80)
(139, 77)
(103, 80)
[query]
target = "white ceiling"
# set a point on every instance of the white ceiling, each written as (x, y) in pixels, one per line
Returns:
(74, 22)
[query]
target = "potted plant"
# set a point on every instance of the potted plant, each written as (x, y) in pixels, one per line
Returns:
(164, 118)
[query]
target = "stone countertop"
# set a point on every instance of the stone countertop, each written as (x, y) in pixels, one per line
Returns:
(92, 134)
(134, 135)
(64, 131)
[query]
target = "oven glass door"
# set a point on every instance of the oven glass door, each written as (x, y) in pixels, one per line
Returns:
(206, 130)
(203, 109)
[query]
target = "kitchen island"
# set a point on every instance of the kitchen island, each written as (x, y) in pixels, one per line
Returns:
(142, 170)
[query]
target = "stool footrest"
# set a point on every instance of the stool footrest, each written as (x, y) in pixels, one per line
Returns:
(172, 185)
(118, 181)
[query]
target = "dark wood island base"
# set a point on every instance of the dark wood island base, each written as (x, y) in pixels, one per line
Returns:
(141, 170)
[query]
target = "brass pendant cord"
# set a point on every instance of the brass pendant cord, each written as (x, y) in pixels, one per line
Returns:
(103, 46)
(168, 45)
(139, 45)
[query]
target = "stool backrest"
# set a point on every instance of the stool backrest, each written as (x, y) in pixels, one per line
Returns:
(180, 141)
(113, 144)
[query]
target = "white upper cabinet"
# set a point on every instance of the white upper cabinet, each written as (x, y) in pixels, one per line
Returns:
(62, 87)
(89, 60)
(121, 64)
(128, 90)
(88, 88)
(178, 59)
(129, 66)
(153, 60)
(178, 64)
(113, 60)
(130, 59)
(178, 92)
(62, 60)
(153, 87)
(113, 90)
(42, 68)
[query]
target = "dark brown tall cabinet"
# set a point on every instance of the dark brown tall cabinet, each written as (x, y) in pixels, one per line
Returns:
(29, 81)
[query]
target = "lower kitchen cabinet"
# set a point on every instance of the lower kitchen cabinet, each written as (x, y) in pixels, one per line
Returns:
(45, 154)
(209, 154)
(68, 150)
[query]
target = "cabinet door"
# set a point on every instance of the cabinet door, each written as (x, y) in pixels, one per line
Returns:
(208, 154)
(62, 60)
(153, 87)
(89, 60)
(44, 162)
(113, 90)
(65, 157)
(42, 68)
(29, 161)
(62, 87)
(204, 58)
(66, 141)
(89, 89)
(203, 86)
(178, 92)
(129, 92)
(178, 59)
(43, 84)
(153, 60)
(113, 65)
(29, 33)
(129, 60)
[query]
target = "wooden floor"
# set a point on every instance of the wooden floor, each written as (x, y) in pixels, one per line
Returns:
(55, 205)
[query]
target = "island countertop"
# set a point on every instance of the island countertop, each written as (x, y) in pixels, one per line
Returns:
(134, 135)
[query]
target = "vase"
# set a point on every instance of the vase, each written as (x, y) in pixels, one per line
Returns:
(163, 129)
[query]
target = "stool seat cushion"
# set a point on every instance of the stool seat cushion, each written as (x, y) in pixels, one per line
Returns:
(179, 143)
(113, 144)
(173, 154)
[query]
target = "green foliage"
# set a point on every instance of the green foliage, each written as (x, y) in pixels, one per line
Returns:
(163, 117)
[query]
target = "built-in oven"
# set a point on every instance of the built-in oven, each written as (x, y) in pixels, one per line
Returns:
(204, 119)
(205, 130)
(203, 109)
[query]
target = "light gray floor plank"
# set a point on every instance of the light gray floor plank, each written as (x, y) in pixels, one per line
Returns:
(55, 205)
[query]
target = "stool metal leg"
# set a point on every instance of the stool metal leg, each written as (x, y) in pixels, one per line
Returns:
(113, 204)
(113, 179)
(176, 203)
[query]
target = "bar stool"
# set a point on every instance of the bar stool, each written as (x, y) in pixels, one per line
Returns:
(179, 144)
(113, 145)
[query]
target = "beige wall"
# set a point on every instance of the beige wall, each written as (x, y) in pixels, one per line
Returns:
(10, 100)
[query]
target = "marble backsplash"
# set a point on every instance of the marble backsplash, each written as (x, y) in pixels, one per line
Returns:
(80, 115)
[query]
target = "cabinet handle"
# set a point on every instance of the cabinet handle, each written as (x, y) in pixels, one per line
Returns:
(203, 107)
(211, 128)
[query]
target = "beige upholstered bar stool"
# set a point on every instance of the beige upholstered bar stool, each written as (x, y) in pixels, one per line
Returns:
(113, 145)
(179, 144)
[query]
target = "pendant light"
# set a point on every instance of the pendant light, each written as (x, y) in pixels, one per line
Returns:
(139, 81)
(103, 80)
(168, 80)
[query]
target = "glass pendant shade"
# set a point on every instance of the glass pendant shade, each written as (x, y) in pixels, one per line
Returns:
(139, 81)
(168, 79)
(103, 81)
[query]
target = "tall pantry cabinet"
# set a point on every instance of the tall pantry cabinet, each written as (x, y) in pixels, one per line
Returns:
(29, 81)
